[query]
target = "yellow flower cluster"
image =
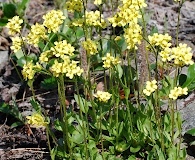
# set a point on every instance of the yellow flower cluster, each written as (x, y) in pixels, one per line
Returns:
(28, 71)
(182, 55)
(77, 22)
(53, 20)
(109, 60)
(165, 54)
(44, 57)
(14, 25)
(102, 96)
(61, 48)
(67, 67)
(90, 47)
(178, 91)
(17, 43)
(95, 19)
(150, 87)
(133, 35)
(36, 119)
(129, 12)
(98, 2)
(159, 41)
(37, 32)
(74, 5)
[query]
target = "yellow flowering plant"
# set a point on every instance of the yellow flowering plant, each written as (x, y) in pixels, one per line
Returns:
(115, 117)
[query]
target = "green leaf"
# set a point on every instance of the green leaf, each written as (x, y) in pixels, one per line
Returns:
(58, 125)
(16, 124)
(119, 70)
(21, 7)
(190, 78)
(9, 10)
(82, 103)
(121, 146)
(49, 83)
(23, 61)
(35, 105)
(19, 54)
(192, 143)
(135, 149)
(77, 137)
(191, 132)
(132, 157)
(153, 30)
(3, 21)
(182, 79)
(79, 33)
(11, 110)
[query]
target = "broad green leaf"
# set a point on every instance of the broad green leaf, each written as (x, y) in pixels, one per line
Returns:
(182, 79)
(3, 21)
(121, 146)
(82, 103)
(119, 70)
(191, 132)
(132, 157)
(190, 77)
(135, 149)
(9, 10)
(49, 83)
(77, 137)
(16, 124)
(79, 33)
(19, 54)
(11, 110)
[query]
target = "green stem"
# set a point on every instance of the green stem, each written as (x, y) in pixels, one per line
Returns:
(157, 106)
(48, 141)
(62, 97)
(101, 137)
(178, 21)
(82, 126)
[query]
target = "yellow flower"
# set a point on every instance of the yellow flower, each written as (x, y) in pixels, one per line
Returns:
(182, 55)
(161, 41)
(95, 19)
(133, 35)
(98, 2)
(28, 71)
(109, 60)
(17, 43)
(62, 48)
(14, 25)
(37, 33)
(53, 20)
(77, 22)
(74, 5)
(37, 120)
(56, 68)
(129, 12)
(102, 96)
(150, 87)
(178, 91)
(90, 46)
(73, 69)
(165, 54)
(44, 57)
(117, 38)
